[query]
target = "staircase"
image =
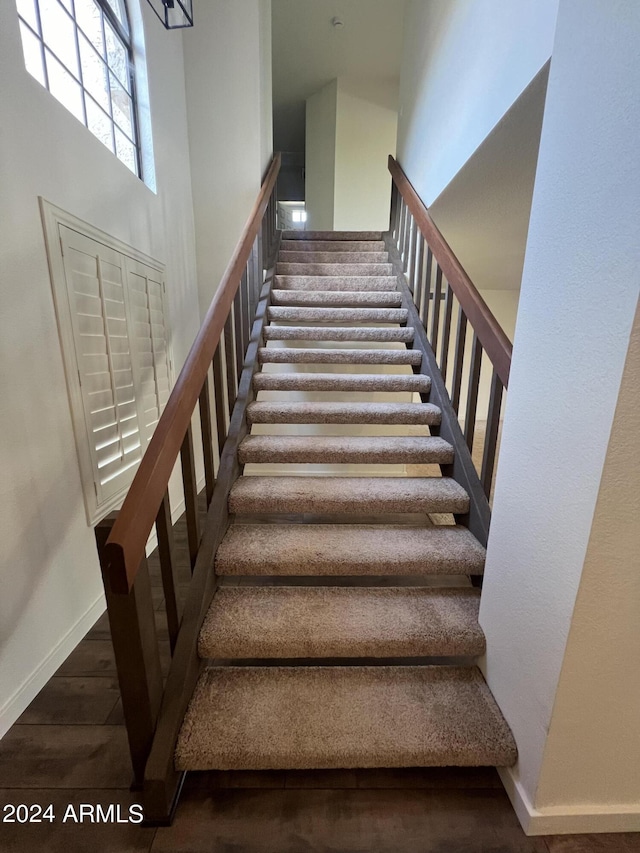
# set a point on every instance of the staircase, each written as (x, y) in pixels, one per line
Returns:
(344, 627)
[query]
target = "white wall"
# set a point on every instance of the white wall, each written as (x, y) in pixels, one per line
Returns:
(227, 60)
(49, 575)
(320, 157)
(464, 64)
(552, 503)
(366, 127)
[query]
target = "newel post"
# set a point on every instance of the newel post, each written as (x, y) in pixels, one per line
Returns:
(135, 645)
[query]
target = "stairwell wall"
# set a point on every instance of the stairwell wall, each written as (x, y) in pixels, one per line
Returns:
(464, 64)
(49, 574)
(227, 59)
(559, 603)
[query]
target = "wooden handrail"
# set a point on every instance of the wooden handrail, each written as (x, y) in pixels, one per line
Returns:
(125, 547)
(494, 341)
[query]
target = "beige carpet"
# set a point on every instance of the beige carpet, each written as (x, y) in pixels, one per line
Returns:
(347, 549)
(359, 495)
(393, 591)
(343, 413)
(355, 716)
(317, 622)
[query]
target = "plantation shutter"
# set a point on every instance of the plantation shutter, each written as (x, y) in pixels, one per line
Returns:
(96, 287)
(115, 345)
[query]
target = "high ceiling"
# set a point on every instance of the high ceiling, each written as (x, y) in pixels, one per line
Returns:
(308, 52)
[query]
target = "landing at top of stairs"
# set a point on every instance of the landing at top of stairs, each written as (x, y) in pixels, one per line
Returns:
(332, 235)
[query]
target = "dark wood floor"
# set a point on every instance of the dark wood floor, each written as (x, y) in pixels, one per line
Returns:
(69, 748)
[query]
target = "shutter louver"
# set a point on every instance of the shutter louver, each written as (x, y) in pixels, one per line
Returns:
(150, 335)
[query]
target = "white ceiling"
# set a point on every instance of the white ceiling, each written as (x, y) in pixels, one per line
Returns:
(308, 52)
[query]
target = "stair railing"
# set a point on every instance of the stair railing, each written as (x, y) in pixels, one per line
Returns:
(220, 365)
(439, 289)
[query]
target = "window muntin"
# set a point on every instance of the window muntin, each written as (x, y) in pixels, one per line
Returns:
(81, 51)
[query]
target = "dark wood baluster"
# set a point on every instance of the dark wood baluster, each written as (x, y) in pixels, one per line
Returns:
(461, 337)
(435, 317)
(412, 263)
(257, 276)
(419, 288)
(218, 392)
(237, 323)
(207, 439)
(491, 436)
(190, 486)
(407, 241)
(393, 215)
(446, 332)
(472, 393)
(168, 570)
(427, 289)
(403, 225)
(135, 647)
(230, 359)
(246, 309)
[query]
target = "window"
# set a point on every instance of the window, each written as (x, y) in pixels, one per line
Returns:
(115, 345)
(299, 215)
(81, 51)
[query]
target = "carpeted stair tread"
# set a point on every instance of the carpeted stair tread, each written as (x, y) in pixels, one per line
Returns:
(355, 495)
(341, 382)
(284, 355)
(326, 622)
(332, 235)
(347, 449)
(339, 315)
(333, 257)
(332, 246)
(292, 550)
(351, 298)
(338, 333)
(333, 269)
(342, 413)
(338, 717)
(335, 282)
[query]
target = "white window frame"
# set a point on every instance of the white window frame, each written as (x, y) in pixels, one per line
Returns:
(53, 218)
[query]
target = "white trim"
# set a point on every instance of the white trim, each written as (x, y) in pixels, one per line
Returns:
(29, 689)
(97, 505)
(568, 819)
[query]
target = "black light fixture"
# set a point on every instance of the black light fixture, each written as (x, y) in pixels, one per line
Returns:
(174, 14)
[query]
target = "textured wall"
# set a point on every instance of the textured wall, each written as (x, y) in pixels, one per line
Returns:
(577, 303)
(51, 587)
(464, 64)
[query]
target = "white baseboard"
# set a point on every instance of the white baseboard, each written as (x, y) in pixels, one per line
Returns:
(568, 820)
(30, 688)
